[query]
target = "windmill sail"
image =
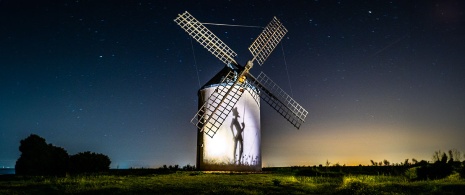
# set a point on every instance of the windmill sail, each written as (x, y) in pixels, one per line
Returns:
(265, 43)
(279, 100)
(214, 111)
(206, 38)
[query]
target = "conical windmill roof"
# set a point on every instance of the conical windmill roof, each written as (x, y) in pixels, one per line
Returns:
(215, 80)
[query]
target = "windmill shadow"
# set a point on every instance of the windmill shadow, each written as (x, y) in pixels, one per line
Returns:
(237, 136)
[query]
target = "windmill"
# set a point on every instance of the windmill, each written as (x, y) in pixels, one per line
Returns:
(232, 145)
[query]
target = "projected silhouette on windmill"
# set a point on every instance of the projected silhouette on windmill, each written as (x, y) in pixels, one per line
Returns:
(235, 87)
(237, 131)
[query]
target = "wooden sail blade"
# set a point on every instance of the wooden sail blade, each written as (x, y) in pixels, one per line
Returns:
(279, 100)
(265, 43)
(206, 38)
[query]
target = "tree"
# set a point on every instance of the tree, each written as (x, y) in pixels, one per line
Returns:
(437, 156)
(38, 158)
(451, 156)
(457, 155)
(87, 162)
(33, 156)
(406, 163)
(444, 158)
(386, 162)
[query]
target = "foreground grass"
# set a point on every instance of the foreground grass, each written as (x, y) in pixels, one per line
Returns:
(183, 182)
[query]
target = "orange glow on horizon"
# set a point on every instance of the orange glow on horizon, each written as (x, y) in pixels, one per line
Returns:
(353, 145)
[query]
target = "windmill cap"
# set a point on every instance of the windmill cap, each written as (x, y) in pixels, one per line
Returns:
(215, 80)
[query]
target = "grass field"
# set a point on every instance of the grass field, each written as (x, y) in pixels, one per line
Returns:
(191, 182)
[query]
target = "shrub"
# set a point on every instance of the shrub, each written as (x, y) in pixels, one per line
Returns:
(411, 173)
(87, 162)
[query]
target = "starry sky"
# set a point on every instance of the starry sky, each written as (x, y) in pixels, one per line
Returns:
(380, 79)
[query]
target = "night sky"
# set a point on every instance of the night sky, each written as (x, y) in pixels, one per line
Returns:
(380, 79)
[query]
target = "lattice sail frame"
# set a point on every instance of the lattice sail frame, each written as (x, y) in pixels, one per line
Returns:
(219, 104)
(265, 43)
(206, 38)
(281, 102)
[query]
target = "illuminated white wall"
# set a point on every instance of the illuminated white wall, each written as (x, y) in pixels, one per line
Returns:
(218, 153)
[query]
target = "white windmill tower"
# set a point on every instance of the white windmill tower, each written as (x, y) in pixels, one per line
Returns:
(231, 141)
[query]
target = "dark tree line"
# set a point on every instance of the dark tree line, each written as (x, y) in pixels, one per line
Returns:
(39, 158)
(443, 165)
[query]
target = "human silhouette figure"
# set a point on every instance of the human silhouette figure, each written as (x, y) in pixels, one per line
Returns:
(237, 135)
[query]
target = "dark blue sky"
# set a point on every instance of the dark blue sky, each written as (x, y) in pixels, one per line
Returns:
(380, 79)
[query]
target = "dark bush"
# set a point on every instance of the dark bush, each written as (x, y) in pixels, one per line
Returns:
(38, 158)
(87, 162)
(437, 170)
